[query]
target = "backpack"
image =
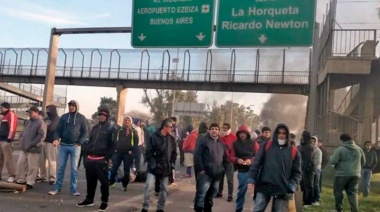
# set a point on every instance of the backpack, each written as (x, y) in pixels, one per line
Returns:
(294, 149)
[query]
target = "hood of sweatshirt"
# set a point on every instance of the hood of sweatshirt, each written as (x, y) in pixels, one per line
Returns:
(306, 138)
(76, 111)
(202, 128)
(275, 134)
(316, 140)
(350, 145)
(125, 118)
(51, 111)
(243, 128)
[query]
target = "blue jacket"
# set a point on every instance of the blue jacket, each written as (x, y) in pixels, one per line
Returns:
(72, 128)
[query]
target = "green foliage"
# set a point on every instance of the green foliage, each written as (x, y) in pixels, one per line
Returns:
(161, 104)
(234, 114)
(108, 102)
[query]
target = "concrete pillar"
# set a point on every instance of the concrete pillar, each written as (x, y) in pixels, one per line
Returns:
(366, 112)
(50, 70)
(311, 112)
(120, 101)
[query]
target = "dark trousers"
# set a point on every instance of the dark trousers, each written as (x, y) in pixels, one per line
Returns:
(127, 160)
(97, 170)
(207, 189)
(83, 156)
(181, 153)
(157, 187)
(229, 173)
(350, 185)
(317, 190)
(320, 181)
(137, 157)
(308, 187)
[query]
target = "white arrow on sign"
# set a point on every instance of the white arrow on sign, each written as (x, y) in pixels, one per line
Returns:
(200, 36)
(142, 37)
(262, 38)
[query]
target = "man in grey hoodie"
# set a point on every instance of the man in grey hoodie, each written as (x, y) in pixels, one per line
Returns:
(31, 139)
(317, 160)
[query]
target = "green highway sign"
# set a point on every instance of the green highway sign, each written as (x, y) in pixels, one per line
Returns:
(172, 23)
(265, 23)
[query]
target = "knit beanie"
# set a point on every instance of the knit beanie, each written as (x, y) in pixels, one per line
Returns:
(6, 105)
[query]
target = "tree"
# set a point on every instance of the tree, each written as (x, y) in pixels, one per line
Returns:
(108, 102)
(240, 115)
(141, 115)
(161, 104)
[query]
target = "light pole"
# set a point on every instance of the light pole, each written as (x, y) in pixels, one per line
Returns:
(175, 77)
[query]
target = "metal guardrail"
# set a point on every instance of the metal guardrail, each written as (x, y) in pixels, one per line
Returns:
(347, 42)
(36, 91)
(276, 77)
(187, 64)
(351, 93)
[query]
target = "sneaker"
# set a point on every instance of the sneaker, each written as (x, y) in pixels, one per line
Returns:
(229, 198)
(11, 180)
(40, 179)
(315, 203)
(103, 206)
(85, 203)
(28, 187)
(54, 192)
(111, 185)
(143, 210)
(160, 211)
(75, 194)
(124, 188)
(218, 195)
(51, 182)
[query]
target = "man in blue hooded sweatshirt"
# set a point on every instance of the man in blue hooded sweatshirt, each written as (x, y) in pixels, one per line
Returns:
(276, 172)
(72, 131)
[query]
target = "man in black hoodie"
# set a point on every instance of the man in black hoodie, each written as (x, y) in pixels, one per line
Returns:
(275, 172)
(308, 168)
(70, 134)
(99, 151)
(210, 161)
(48, 171)
(126, 141)
(161, 154)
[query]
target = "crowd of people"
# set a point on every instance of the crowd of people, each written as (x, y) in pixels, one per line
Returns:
(273, 165)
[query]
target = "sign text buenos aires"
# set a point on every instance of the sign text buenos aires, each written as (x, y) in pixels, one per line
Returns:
(250, 23)
(172, 23)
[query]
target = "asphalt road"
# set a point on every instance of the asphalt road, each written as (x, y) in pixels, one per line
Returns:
(180, 198)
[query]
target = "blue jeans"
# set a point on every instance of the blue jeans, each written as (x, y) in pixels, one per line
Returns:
(242, 190)
(365, 181)
(278, 204)
(317, 190)
(127, 160)
(63, 156)
(149, 186)
(207, 188)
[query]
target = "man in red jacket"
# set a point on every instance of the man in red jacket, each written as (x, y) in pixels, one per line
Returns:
(188, 148)
(8, 128)
(227, 138)
(242, 155)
